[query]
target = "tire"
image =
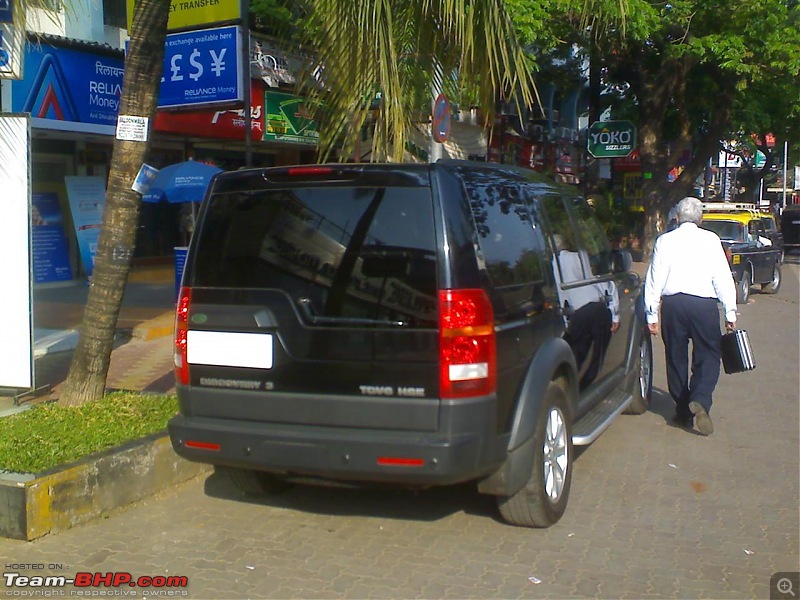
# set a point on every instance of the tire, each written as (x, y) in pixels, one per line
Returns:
(255, 483)
(743, 288)
(644, 382)
(773, 286)
(543, 500)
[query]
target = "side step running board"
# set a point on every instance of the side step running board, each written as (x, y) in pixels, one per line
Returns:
(597, 420)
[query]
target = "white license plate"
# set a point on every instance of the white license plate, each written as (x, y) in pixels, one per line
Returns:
(230, 349)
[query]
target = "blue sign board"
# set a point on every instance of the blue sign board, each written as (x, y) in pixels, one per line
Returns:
(202, 67)
(6, 11)
(69, 85)
(50, 249)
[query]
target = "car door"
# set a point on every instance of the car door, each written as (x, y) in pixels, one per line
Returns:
(762, 256)
(590, 293)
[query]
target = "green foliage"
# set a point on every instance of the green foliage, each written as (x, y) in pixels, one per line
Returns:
(404, 49)
(49, 435)
(279, 18)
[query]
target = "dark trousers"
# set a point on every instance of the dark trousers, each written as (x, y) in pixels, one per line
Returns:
(589, 329)
(684, 318)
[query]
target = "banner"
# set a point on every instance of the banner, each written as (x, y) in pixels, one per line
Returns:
(202, 67)
(87, 198)
(50, 248)
(69, 89)
(16, 308)
(289, 119)
(185, 14)
(216, 123)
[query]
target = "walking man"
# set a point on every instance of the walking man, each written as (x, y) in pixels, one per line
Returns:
(688, 274)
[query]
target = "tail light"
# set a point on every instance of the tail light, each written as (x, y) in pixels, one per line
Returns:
(728, 254)
(467, 353)
(181, 334)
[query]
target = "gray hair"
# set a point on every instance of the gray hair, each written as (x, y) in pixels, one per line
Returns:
(689, 210)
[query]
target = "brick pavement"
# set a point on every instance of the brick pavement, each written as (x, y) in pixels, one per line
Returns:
(655, 512)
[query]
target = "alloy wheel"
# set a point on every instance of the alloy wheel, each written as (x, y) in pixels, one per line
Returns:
(556, 459)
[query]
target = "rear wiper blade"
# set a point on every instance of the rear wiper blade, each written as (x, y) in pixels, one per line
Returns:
(308, 313)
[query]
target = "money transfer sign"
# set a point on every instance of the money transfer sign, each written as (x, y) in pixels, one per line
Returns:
(289, 119)
(202, 67)
(184, 14)
(609, 139)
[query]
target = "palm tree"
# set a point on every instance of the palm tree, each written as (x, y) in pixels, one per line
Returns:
(143, 63)
(397, 51)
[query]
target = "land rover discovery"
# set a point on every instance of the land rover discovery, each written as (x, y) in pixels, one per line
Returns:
(411, 324)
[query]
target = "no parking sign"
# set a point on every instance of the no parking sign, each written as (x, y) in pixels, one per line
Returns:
(441, 119)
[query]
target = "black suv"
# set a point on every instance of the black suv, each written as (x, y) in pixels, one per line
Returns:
(416, 324)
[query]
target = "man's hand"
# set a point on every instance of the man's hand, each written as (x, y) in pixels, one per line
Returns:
(614, 326)
(653, 328)
(730, 326)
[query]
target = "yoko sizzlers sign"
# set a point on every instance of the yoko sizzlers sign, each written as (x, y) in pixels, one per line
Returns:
(608, 139)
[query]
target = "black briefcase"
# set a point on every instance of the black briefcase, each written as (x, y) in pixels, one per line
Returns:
(737, 355)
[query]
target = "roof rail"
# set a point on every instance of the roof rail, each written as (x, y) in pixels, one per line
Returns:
(729, 206)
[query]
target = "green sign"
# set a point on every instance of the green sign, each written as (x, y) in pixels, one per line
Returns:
(289, 119)
(611, 139)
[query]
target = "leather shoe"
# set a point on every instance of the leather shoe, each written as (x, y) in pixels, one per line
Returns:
(701, 418)
(684, 421)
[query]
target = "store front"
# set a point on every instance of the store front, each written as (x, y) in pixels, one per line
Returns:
(72, 89)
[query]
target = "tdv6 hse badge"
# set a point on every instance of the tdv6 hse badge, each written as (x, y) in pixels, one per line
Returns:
(387, 390)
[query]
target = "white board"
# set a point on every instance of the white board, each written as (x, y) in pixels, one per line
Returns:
(16, 321)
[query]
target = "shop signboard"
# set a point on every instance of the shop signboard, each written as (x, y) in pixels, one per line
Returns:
(16, 308)
(87, 199)
(50, 249)
(217, 123)
(185, 14)
(201, 68)
(289, 119)
(69, 89)
(610, 139)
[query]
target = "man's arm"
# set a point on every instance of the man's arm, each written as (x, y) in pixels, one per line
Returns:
(724, 286)
(655, 280)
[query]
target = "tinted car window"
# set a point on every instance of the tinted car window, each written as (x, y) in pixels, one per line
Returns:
(348, 251)
(565, 243)
(594, 238)
(510, 240)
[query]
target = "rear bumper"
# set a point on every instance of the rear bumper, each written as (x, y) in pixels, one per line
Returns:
(336, 453)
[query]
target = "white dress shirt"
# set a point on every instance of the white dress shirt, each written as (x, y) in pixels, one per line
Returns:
(689, 260)
(577, 297)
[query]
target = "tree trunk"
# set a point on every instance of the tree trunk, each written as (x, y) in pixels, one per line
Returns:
(143, 64)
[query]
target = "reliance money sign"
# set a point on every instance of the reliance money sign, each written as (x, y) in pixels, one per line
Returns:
(201, 68)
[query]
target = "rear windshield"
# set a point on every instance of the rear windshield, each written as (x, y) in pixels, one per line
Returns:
(344, 252)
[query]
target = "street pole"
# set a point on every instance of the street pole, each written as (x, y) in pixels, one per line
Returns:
(435, 150)
(785, 160)
(246, 84)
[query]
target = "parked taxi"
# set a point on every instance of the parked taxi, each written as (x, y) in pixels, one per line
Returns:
(753, 257)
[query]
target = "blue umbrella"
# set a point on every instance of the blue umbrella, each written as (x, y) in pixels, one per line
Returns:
(181, 182)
